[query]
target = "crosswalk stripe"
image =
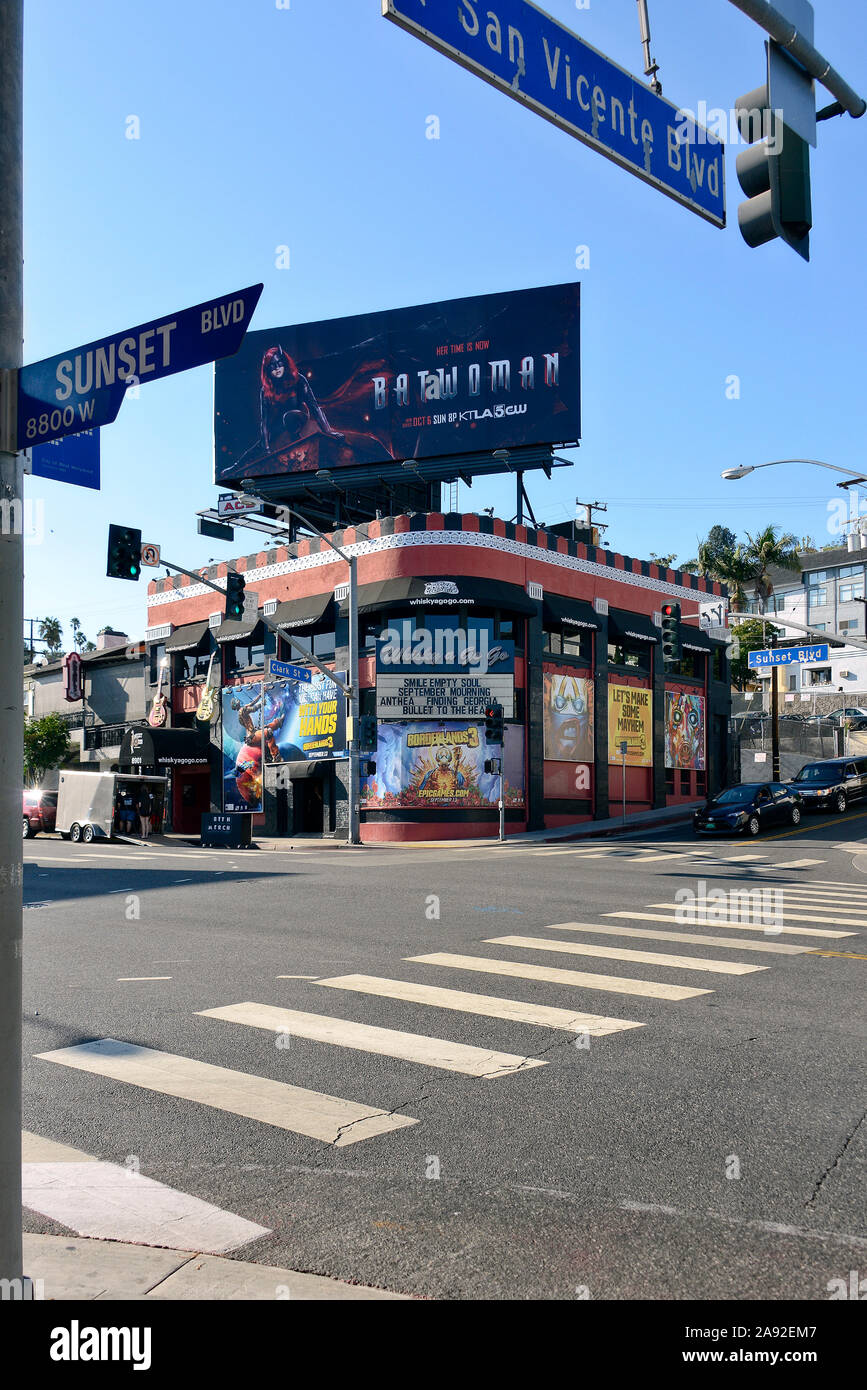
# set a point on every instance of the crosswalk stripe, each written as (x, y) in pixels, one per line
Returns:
(388, 1042)
(705, 921)
(780, 948)
(835, 883)
(771, 914)
(801, 863)
(490, 1006)
(825, 896)
(581, 948)
(740, 858)
(312, 1113)
(516, 969)
(793, 899)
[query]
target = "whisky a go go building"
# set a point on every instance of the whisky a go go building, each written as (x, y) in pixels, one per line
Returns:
(360, 425)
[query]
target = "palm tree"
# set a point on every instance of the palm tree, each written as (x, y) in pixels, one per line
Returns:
(51, 633)
(770, 549)
(78, 636)
(734, 569)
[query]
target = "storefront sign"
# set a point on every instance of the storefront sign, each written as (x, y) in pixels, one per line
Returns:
(630, 721)
(404, 647)
(443, 697)
(432, 765)
(294, 722)
(684, 730)
(468, 375)
(229, 831)
(73, 679)
(568, 718)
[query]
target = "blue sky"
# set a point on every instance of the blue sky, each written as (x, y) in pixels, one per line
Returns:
(306, 127)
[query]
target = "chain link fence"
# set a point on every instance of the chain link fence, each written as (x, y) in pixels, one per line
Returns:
(829, 726)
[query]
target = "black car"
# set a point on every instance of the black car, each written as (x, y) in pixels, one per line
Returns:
(749, 807)
(832, 784)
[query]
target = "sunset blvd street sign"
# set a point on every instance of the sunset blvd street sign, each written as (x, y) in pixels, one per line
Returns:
(788, 656)
(525, 53)
(83, 388)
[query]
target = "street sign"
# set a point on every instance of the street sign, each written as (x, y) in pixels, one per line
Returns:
(74, 459)
(229, 504)
(788, 656)
(522, 51)
(85, 386)
(284, 670)
(150, 555)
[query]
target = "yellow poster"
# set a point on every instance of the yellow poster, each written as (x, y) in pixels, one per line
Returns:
(630, 719)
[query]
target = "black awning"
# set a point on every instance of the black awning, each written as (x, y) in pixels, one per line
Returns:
(571, 612)
(695, 639)
(441, 595)
(186, 639)
(163, 748)
(299, 613)
(634, 627)
(236, 631)
(314, 767)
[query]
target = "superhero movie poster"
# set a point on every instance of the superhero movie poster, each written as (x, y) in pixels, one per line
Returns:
(684, 731)
(292, 721)
(487, 372)
(428, 764)
(567, 724)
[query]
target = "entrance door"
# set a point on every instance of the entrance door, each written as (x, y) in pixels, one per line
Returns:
(192, 796)
(309, 803)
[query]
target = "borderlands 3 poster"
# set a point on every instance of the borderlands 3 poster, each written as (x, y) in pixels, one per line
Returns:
(423, 764)
(684, 731)
(568, 718)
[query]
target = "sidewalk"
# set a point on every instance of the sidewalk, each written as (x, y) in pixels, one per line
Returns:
(636, 825)
(73, 1268)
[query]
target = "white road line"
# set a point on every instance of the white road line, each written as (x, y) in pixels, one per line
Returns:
(489, 1006)
(770, 914)
(581, 948)
(740, 858)
(296, 977)
(705, 921)
(319, 1116)
(799, 863)
(835, 883)
(735, 944)
(517, 970)
(132, 979)
(387, 1042)
(36, 1149)
(825, 897)
(107, 1202)
(830, 910)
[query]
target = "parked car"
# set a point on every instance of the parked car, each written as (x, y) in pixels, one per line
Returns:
(841, 716)
(40, 812)
(831, 785)
(748, 808)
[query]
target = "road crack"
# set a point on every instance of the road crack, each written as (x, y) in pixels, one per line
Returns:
(837, 1160)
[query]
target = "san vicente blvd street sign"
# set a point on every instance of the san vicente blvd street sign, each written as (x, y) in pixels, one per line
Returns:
(524, 52)
(84, 388)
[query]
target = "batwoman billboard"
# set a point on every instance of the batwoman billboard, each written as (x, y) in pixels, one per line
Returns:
(493, 371)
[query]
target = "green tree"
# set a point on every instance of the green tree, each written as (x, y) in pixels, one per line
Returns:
(46, 745)
(80, 641)
(769, 548)
(665, 562)
(51, 632)
(752, 635)
(719, 543)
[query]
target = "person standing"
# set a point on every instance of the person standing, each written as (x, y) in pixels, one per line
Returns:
(145, 810)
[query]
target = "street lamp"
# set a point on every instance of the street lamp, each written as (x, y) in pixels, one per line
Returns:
(731, 474)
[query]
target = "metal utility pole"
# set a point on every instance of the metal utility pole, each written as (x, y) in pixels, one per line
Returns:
(650, 67)
(789, 36)
(11, 623)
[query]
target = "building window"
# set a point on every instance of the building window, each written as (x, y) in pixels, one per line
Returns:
(669, 781)
(685, 786)
(848, 625)
(818, 596)
(846, 571)
(817, 577)
(820, 627)
(820, 675)
(719, 664)
(155, 658)
(629, 653)
(701, 784)
(190, 666)
(690, 664)
(849, 592)
(246, 654)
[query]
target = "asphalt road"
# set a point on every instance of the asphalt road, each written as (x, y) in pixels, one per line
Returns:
(715, 1151)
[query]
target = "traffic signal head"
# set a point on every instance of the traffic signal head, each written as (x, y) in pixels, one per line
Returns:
(494, 724)
(367, 733)
(234, 596)
(370, 768)
(671, 651)
(779, 121)
(124, 552)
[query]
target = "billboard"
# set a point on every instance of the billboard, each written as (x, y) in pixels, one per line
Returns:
(567, 719)
(295, 721)
(630, 719)
(434, 764)
(684, 730)
(492, 371)
(443, 697)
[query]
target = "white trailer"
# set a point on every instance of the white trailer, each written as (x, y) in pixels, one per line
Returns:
(87, 802)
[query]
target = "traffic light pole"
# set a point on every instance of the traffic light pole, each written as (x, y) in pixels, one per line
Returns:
(502, 802)
(11, 644)
(786, 33)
